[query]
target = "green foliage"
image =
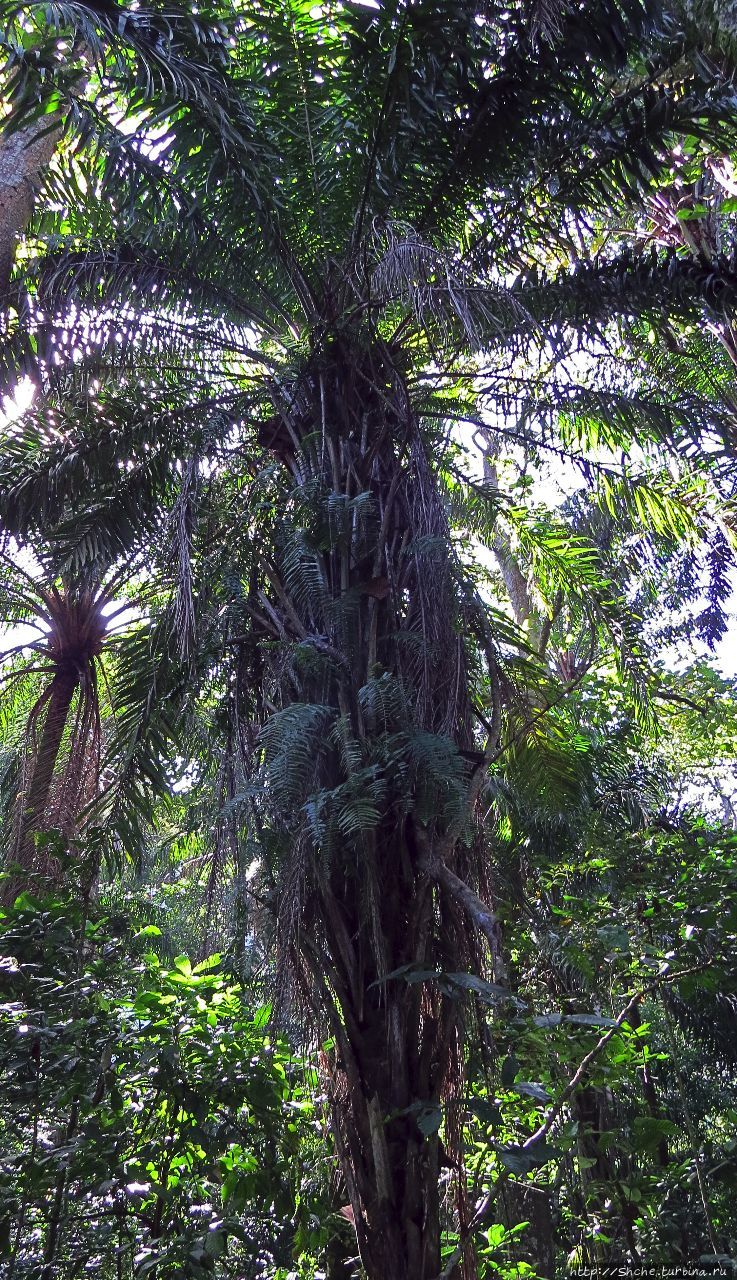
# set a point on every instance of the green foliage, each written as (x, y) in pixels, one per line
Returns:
(154, 1124)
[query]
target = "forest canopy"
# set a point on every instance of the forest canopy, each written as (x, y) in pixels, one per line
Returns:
(368, 902)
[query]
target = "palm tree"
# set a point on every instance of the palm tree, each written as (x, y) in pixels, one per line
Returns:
(68, 653)
(318, 242)
(65, 689)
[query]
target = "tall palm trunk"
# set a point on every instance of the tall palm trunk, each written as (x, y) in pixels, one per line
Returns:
(393, 1057)
(383, 605)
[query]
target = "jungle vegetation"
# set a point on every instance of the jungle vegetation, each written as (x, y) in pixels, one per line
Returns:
(367, 734)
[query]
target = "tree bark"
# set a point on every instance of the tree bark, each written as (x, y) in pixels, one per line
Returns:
(522, 1202)
(36, 797)
(23, 156)
(393, 1043)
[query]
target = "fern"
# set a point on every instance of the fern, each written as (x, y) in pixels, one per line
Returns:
(292, 741)
(440, 777)
(384, 702)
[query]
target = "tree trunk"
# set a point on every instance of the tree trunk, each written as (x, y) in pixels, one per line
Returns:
(388, 1078)
(365, 583)
(36, 797)
(522, 1202)
(23, 156)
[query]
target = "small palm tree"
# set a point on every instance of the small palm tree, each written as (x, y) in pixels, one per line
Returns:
(62, 749)
(80, 715)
